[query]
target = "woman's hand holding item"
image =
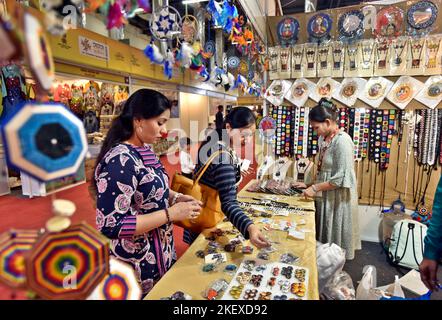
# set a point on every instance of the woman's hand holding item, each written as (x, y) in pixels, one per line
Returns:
(257, 238)
(300, 185)
(187, 198)
(309, 192)
(185, 210)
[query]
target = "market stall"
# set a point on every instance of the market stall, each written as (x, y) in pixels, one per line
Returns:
(187, 274)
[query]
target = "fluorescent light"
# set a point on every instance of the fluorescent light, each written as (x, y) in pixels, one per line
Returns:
(193, 1)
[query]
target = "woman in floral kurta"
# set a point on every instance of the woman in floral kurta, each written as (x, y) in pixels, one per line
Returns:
(135, 208)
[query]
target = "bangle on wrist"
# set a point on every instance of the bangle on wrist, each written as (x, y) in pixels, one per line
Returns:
(314, 188)
(167, 215)
(175, 197)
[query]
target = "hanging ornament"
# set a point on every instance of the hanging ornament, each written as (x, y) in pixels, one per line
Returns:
(421, 17)
(169, 61)
(153, 53)
(287, 31)
(389, 22)
(189, 26)
(185, 54)
(165, 23)
(351, 26)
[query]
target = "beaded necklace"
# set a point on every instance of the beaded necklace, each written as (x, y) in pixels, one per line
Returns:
(324, 147)
(433, 131)
(432, 50)
(417, 46)
(297, 57)
(337, 56)
(305, 133)
(367, 51)
(351, 51)
(323, 57)
(382, 51)
(401, 45)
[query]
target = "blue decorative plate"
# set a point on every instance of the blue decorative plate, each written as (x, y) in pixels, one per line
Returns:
(351, 24)
(287, 30)
(319, 26)
(422, 15)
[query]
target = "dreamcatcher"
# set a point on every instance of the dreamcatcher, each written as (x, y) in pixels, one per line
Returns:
(165, 23)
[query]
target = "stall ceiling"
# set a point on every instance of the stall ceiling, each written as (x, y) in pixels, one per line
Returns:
(297, 6)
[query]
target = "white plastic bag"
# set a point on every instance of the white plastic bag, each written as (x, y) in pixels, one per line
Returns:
(330, 260)
(366, 289)
(340, 287)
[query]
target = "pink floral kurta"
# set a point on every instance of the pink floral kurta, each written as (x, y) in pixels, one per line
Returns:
(131, 182)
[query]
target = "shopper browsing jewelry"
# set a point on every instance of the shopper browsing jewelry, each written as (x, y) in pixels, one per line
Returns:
(335, 186)
(135, 208)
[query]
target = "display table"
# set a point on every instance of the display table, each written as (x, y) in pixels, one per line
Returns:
(187, 276)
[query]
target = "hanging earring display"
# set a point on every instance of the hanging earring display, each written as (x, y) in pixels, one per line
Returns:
(382, 55)
(375, 91)
(299, 92)
(297, 59)
(398, 56)
(324, 57)
(309, 67)
(351, 60)
(351, 26)
(403, 91)
(432, 64)
(366, 57)
(416, 65)
(350, 90)
(288, 30)
(273, 63)
(431, 94)
(389, 21)
(284, 69)
(421, 17)
(337, 52)
(319, 27)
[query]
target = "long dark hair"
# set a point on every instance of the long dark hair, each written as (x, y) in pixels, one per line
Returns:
(323, 111)
(143, 104)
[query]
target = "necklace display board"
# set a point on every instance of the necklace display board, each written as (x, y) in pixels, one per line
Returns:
(281, 168)
(273, 62)
(285, 62)
(398, 60)
(325, 61)
(416, 64)
(366, 58)
(310, 60)
(352, 55)
(433, 55)
(297, 60)
(338, 55)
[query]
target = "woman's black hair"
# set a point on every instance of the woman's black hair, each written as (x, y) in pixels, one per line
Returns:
(323, 111)
(143, 104)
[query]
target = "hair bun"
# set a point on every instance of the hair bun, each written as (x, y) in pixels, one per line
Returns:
(328, 104)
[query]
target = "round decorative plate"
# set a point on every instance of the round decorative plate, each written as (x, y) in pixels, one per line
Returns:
(389, 22)
(287, 30)
(233, 62)
(210, 47)
(319, 26)
(299, 90)
(375, 91)
(422, 15)
(403, 92)
(324, 89)
(435, 90)
(349, 89)
(351, 24)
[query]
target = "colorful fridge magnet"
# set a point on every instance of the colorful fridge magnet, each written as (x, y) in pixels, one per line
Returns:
(350, 90)
(375, 91)
(277, 90)
(431, 94)
(325, 88)
(421, 17)
(46, 141)
(287, 31)
(14, 246)
(78, 253)
(120, 284)
(299, 91)
(403, 91)
(319, 27)
(351, 26)
(165, 23)
(389, 21)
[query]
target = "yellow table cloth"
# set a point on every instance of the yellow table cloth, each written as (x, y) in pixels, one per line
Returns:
(186, 274)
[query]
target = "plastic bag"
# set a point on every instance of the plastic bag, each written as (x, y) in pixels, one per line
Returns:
(340, 287)
(330, 259)
(366, 289)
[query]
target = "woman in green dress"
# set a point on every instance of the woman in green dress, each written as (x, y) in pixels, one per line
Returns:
(335, 186)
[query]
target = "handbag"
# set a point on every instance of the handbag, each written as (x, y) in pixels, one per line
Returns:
(211, 213)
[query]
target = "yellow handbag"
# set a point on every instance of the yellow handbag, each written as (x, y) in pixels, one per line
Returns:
(211, 213)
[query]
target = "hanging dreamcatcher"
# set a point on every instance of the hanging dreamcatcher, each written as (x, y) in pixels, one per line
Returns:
(165, 23)
(189, 28)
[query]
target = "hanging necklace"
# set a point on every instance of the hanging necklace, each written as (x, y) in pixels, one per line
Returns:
(399, 46)
(382, 51)
(367, 52)
(337, 57)
(323, 56)
(310, 55)
(432, 50)
(279, 164)
(325, 145)
(432, 147)
(274, 60)
(302, 168)
(297, 57)
(351, 51)
(284, 56)
(416, 50)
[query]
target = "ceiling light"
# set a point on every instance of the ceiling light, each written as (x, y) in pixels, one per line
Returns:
(193, 1)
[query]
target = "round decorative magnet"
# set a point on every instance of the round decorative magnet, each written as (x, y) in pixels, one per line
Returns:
(422, 15)
(287, 30)
(403, 92)
(435, 90)
(351, 24)
(349, 89)
(324, 89)
(319, 26)
(299, 90)
(389, 22)
(375, 91)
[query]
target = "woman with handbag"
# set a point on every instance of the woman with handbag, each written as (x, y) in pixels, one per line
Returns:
(135, 208)
(223, 174)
